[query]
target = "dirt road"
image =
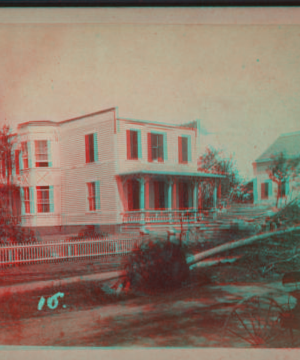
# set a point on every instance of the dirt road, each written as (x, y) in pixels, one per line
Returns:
(192, 317)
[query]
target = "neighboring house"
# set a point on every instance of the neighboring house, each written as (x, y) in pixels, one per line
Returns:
(264, 189)
(100, 169)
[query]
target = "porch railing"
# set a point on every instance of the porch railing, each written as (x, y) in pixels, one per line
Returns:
(164, 216)
(56, 251)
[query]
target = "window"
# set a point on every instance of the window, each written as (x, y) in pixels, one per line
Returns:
(159, 191)
(25, 155)
(282, 189)
(182, 149)
(17, 162)
(91, 148)
(26, 195)
(45, 199)
(265, 190)
(183, 193)
(41, 153)
(132, 145)
(156, 148)
(93, 196)
(133, 195)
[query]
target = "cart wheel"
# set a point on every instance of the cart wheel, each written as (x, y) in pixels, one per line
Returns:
(256, 322)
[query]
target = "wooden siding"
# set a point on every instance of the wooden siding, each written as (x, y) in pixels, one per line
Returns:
(171, 164)
(76, 173)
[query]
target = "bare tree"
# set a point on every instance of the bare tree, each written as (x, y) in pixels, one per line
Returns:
(215, 161)
(7, 164)
(281, 170)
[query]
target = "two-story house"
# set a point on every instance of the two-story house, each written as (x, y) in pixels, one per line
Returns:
(100, 169)
(264, 189)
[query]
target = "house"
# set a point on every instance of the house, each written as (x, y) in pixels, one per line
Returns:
(264, 189)
(100, 169)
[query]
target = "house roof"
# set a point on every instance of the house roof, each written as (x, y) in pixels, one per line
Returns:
(288, 144)
(57, 123)
(171, 173)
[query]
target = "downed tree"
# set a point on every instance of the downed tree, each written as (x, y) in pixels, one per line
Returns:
(191, 260)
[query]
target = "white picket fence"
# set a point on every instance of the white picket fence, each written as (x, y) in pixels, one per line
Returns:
(56, 251)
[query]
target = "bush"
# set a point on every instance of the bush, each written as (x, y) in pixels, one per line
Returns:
(157, 265)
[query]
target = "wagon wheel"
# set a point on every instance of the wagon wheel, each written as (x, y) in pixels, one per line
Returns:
(256, 322)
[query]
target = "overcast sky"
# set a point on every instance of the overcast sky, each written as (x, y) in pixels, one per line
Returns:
(242, 82)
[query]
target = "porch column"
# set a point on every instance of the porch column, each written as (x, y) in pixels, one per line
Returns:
(195, 198)
(170, 195)
(215, 195)
(199, 197)
(142, 199)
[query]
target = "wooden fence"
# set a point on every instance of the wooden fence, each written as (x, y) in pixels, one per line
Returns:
(56, 251)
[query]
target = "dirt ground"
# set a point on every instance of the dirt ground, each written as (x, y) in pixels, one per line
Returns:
(190, 317)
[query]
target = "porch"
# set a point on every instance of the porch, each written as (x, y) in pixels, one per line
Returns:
(164, 198)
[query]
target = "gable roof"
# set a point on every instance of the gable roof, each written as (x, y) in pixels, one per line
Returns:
(288, 144)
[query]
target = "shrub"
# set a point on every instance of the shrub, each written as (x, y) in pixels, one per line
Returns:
(157, 265)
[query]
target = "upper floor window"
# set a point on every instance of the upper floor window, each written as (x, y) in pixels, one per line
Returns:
(24, 146)
(184, 149)
(41, 153)
(91, 148)
(93, 195)
(133, 144)
(45, 199)
(156, 147)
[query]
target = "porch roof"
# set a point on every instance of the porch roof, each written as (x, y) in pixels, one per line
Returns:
(171, 173)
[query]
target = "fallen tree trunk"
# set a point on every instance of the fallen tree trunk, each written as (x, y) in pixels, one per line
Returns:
(191, 260)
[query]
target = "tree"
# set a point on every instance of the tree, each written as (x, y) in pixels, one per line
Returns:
(11, 230)
(281, 170)
(214, 161)
(7, 164)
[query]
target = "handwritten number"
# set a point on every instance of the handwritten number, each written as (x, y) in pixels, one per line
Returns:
(52, 301)
(41, 303)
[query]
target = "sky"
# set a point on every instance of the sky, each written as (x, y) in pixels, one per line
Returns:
(242, 82)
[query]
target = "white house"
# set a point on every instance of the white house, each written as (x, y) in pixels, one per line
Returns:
(264, 189)
(100, 169)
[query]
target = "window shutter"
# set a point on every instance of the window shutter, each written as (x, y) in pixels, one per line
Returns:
(22, 201)
(29, 155)
(49, 153)
(95, 147)
(139, 139)
(51, 198)
(165, 157)
(97, 190)
(262, 191)
(128, 144)
(21, 160)
(179, 149)
(149, 147)
(31, 197)
(270, 188)
(189, 148)
(287, 187)
(87, 150)
(14, 164)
